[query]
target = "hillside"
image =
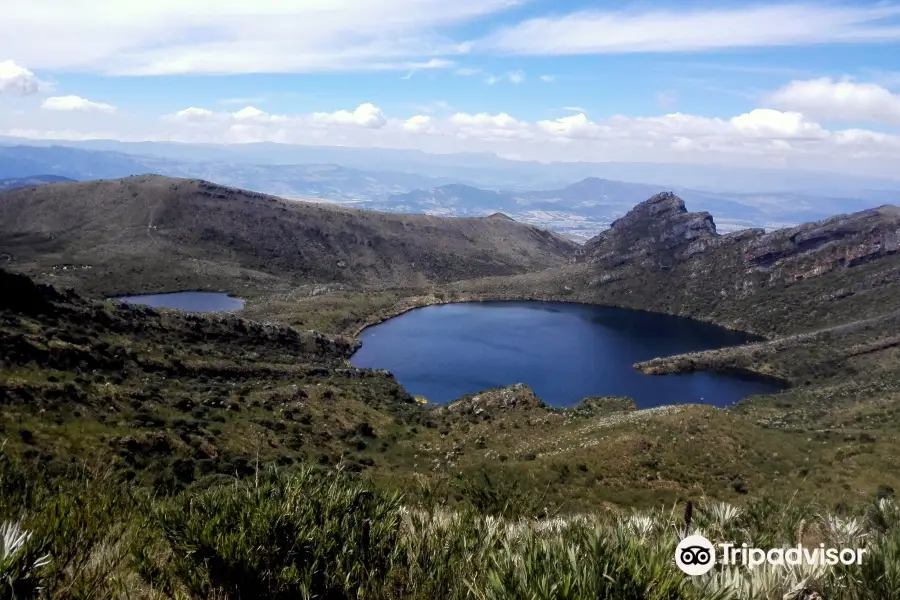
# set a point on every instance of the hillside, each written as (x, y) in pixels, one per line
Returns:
(152, 232)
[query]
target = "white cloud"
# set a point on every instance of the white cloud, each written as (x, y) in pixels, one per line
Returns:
(419, 124)
(486, 126)
(245, 120)
(839, 100)
(192, 115)
(434, 63)
(253, 114)
(236, 36)
(76, 103)
(574, 126)
(547, 78)
(759, 126)
(501, 120)
(468, 72)
(16, 79)
(863, 138)
(688, 30)
(515, 77)
(773, 124)
(365, 115)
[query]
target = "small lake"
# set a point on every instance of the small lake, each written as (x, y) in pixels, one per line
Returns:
(192, 301)
(565, 352)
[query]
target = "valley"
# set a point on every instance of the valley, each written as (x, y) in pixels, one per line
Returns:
(144, 425)
(819, 294)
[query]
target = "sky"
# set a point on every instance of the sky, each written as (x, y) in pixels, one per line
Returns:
(745, 83)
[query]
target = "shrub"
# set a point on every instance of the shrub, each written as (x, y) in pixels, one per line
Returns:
(288, 536)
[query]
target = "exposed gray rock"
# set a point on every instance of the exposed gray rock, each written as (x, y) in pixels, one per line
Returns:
(517, 396)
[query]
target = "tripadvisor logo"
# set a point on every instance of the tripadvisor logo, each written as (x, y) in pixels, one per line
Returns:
(696, 555)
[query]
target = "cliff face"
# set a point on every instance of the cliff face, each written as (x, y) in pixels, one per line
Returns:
(662, 257)
(842, 241)
(660, 233)
(654, 234)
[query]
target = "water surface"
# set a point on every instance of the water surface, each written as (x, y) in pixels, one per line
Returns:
(565, 352)
(192, 301)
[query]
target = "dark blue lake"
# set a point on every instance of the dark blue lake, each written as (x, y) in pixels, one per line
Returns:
(565, 352)
(192, 301)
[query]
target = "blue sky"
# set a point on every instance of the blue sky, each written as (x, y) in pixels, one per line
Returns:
(815, 83)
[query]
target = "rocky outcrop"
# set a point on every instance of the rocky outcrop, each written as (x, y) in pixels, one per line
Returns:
(660, 234)
(654, 233)
(514, 397)
(603, 405)
(21, 294)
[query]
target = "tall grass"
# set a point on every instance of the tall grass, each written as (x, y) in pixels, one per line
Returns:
(67, 540)
(312, 534)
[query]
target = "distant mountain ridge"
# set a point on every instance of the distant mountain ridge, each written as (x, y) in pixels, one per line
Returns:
(486, 169)
(579, 210)
(585, 208)
(19, 182)
(312, 180)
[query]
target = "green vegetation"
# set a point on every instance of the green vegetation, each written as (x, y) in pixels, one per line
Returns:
(493, 496)
(318, 534)
(170, 400)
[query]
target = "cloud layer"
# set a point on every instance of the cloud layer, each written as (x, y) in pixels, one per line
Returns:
(690, 30)
(845, 100)
(235, 36)
(76, 103)
(813, 123)
(760, 137)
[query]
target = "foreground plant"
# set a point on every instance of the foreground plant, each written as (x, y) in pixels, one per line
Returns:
(330, 535)
(65, 541)
(20, 568)
(298, 536)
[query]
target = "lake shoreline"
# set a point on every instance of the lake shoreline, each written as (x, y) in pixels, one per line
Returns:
(187, 300)
(512, 346)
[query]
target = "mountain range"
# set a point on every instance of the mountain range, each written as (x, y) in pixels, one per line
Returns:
(489, 170)
(584, 209)
(579, 210)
